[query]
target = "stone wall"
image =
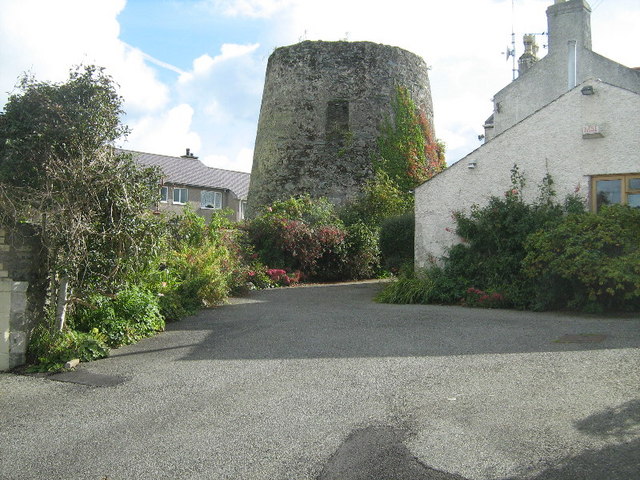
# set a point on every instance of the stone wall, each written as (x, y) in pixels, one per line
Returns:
(20, 293)
(322, 106)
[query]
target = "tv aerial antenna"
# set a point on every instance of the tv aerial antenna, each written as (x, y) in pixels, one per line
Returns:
(510, 52)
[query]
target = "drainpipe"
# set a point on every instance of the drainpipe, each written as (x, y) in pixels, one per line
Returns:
(572, 65)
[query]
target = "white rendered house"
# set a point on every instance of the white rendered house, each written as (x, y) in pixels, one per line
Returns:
(573, 114)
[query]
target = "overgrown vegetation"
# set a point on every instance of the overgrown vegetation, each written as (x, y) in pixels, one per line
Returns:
(59, 170)
(408, 152)
(538, 256)
(306, 238)
(397, 241)
(117, 272)
(408, 155)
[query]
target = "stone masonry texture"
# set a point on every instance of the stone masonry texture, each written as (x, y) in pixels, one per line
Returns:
(22, 285)
(322, 108)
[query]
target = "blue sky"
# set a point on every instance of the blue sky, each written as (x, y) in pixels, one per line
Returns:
(192, 71)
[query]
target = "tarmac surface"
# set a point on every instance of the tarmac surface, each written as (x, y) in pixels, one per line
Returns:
(322, 383)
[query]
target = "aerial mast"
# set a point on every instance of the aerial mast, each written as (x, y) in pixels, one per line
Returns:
(511, 51)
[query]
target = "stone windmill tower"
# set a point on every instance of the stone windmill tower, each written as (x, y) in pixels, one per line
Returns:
(322, 107)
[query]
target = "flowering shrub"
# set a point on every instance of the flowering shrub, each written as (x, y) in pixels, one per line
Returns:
(280, 277)
(301, 235)
(479, 298)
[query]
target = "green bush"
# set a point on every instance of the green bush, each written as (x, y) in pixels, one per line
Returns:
(491, 256)
(50, 350)
(397, 241)
(427, 286)
(127, 317)
(306, 236)
(536, 256)
(198, 267)
(380, 198)
(360, 253)
(595, 257)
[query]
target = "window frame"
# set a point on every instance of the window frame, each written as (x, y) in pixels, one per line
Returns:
(186, 196)
(624, 188)
(164, 194)
(217, 200)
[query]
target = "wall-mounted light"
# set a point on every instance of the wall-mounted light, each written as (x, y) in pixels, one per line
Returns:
(471, 165)
(587, 90)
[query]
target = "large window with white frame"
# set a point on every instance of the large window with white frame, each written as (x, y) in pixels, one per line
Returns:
(615, 189)
(180, 196)
(210, 199)
(243, 209)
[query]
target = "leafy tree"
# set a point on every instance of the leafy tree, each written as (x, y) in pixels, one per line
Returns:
(45, 122)
(59, 168)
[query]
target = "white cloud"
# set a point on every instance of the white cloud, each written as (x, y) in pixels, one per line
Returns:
(48, 38)
(250, 8)
(204, 63)
(213, 107)
(169, 133)
(242, 161)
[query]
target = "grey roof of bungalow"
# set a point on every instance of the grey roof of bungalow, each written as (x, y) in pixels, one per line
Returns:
(189, 171)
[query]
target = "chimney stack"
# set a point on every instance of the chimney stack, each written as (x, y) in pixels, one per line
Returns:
(529, 57)
(569, 20)
(189, 155)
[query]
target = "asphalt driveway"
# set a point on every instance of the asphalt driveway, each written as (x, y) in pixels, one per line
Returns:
(322, 383)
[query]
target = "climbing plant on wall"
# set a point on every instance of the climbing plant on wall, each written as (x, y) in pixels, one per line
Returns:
(408, 150)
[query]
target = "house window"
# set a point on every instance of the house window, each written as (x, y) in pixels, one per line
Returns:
(164, 194)
(243, 209)
(180, 195)
(614, 189)
(211, 200)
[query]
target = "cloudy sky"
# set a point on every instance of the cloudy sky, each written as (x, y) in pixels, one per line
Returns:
(192, 71)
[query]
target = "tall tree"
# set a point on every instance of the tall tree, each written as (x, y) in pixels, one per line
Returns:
(59, 169)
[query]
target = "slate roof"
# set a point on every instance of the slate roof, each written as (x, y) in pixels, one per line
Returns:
(192, 172)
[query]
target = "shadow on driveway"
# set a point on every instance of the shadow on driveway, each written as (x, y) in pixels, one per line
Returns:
(342, 321)
(619, 460)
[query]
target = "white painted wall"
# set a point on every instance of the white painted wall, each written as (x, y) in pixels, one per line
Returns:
(547, 79)
(549, 140)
